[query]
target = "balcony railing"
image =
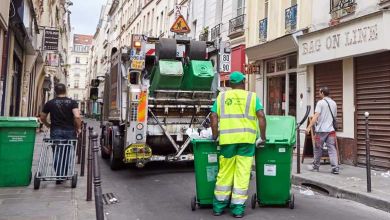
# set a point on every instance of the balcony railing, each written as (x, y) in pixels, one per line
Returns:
(263, 24)
(291, 19)
(340, 8)
(216, 32)
(236, 25)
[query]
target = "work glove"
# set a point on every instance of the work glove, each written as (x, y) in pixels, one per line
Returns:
(260, 143)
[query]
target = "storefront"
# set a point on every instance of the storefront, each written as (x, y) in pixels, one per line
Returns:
(351, 59)
(278, 84)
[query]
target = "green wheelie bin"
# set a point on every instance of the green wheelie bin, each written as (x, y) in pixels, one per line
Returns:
(17, 139)
(206, 153)
(274, 163)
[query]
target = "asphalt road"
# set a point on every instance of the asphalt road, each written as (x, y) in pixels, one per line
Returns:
(163, 191)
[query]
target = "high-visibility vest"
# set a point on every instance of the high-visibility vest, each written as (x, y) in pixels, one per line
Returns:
(237, 117)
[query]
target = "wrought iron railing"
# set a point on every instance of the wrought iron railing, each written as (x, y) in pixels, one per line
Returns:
(263, 24)
(340, 8)
(216, 31)
(291, 18)
(236, 24)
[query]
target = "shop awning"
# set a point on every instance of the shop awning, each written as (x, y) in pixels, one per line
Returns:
(277, 47)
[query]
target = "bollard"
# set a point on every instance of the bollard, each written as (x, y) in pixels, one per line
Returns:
(89, 165)
(368, 159)
(298, 150)
(96, 179)
(79, 141)
(84, 139)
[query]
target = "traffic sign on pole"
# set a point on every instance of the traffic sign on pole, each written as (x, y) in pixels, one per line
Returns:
(180, 26)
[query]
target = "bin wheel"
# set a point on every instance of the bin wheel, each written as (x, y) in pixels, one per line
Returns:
(37, 181)
(253, 201)
(291, 202)
(193, 203)
(74, 180)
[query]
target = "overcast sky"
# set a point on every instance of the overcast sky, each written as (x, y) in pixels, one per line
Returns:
(85, 15)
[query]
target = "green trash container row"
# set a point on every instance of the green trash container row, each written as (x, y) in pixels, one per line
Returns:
(170, 74)
(17, 139)
(206, 154)
(274, 163)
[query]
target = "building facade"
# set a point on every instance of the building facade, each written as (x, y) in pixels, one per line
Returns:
(347, 49)
(78, 65)
(28, 71)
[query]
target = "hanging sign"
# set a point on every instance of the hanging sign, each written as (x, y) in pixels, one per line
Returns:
(50, 39)
(180, 26)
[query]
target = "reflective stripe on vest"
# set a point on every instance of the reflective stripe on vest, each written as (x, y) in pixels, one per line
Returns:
(247, 108)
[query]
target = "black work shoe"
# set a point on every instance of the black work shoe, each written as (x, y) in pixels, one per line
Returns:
(217, 213)
(238, 215)
(58, 182)
(335, 170)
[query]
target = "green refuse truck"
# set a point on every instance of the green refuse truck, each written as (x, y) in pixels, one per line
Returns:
(157, 88)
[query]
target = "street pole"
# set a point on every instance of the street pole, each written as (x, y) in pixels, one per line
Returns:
(368, 159)
(83, 138)
(89, 166)
(96, 179)
(298, 149)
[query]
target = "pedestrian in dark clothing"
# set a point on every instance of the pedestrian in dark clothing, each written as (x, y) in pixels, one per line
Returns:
(65, 124)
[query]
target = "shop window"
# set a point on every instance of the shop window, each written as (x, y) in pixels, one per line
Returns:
(77, 60)
(292, 61)
(270, 66)
(281, 65)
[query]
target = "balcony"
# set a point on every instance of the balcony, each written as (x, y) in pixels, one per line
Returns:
(341, 8)
(291, 19)
(236, 26)
(263, 24)
(216, 32)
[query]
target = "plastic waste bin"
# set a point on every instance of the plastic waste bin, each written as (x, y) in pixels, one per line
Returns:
(168, 74)
(206, 153)
(198, 75)
(274, 163)
(17, 139)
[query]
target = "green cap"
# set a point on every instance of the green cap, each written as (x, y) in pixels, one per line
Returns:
(236, 77)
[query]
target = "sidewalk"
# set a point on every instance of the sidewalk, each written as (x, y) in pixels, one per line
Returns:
(349, 184)
(49, 202)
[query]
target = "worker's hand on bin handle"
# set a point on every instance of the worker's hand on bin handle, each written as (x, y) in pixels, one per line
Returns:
(260, 142)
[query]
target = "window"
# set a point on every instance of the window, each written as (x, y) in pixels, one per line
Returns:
(77, 60)
(76, 96)
(240, 7)
(76, 84)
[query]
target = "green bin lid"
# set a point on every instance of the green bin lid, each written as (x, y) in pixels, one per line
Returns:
(281, 129)
(18, 122)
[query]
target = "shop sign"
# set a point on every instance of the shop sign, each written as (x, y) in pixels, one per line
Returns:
(52, 59)
(50, 39)
(364, 36)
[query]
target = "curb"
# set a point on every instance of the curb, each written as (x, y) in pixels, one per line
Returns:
(337, 192)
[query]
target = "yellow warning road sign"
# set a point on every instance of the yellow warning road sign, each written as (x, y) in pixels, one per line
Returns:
(180, 26)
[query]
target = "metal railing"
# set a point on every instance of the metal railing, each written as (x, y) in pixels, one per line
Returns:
(236, 24)
(263, 25)
(339, 8)
(216, 31)
(291, 18)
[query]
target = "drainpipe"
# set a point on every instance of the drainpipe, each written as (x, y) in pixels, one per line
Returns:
(3, 75)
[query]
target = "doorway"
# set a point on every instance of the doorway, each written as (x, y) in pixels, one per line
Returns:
(279, 102)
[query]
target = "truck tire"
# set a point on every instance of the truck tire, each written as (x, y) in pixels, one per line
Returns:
(166, 49)
(116, 156)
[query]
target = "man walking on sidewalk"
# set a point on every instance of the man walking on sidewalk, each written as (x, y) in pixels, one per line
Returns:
(65, 123)
(239, 113)
(323, 119)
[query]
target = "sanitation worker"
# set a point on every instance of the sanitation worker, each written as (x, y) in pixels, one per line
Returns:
(239, 114)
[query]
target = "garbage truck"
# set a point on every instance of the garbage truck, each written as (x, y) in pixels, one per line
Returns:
(156, 90)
